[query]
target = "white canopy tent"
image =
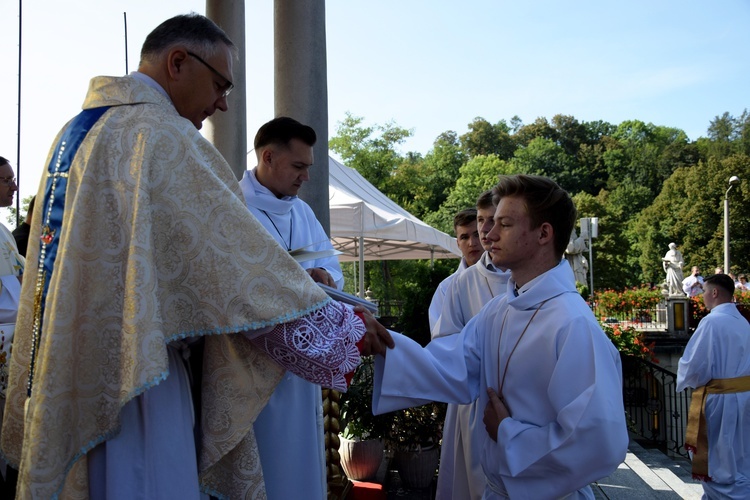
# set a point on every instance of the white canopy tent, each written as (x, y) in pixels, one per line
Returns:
(367, 225)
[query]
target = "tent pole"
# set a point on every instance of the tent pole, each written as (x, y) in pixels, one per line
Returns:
(362, 267)
(356, 280)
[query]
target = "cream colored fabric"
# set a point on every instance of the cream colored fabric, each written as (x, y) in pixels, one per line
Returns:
(156, 245)
(11, 262)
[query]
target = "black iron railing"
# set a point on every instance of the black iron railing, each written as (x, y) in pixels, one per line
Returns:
(656, 412)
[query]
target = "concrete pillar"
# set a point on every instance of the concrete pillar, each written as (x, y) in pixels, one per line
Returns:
(228, 131)
(301, 86)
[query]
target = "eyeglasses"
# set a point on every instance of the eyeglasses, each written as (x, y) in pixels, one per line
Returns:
(7, 181)
(227, 88)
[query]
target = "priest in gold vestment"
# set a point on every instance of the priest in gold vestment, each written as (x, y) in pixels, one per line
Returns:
(143, 244)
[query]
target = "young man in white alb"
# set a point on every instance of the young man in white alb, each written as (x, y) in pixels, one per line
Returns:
(546, 376)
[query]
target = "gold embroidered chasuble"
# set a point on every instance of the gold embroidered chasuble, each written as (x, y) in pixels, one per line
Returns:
(156, 245)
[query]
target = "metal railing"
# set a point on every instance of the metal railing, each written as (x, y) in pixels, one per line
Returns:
(656, 412)
(641, 319)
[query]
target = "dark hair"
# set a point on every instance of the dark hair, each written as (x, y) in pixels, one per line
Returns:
(485, 200)
(283, 129)
(465, 217)
(545, 202)
(195, 31)
(721, 281)
(30, 210)
(3, 161)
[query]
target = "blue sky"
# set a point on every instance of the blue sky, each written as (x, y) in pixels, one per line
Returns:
(427, 65)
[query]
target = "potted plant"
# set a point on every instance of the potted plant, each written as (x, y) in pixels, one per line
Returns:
(361, 448)
(415, 436)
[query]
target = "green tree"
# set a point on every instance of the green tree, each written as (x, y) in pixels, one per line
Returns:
(539, 128)
(484, 138)
(476, 176)
(743, 134)
(415, 184)
(637, 155)
(422, 185)
(721, 134)
(372, 151)
(545, 157)
(689, 212)
(727, 135)
(610, 248)
(10, 212)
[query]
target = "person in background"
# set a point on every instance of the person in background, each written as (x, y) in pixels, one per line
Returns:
(467, 238)
(460, 474)
(12, 265)
(293, 417)
(716, 364)
(284, 149)
(693, 284)
(741, 283)
(21, 233)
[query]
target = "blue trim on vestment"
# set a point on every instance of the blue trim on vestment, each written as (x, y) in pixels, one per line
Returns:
(247, 327)
(54, 206)
(62, 159)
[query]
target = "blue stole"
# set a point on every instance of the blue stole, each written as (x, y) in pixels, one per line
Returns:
(52, 218)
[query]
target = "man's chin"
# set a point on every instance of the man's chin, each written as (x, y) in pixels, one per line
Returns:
(496, 262)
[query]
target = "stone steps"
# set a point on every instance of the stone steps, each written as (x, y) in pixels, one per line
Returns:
(649, 474)
(645, 474)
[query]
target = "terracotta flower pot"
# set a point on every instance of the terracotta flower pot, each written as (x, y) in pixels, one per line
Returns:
(360, 459)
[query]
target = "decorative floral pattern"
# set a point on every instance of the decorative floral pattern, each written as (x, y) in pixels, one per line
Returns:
(324, 345)
(153, 209)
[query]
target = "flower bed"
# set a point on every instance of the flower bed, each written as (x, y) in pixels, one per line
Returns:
(629, 341)
(625, 302)
(741, 298)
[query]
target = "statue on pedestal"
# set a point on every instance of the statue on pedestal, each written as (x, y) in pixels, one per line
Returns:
(672, 264)
(576, 259)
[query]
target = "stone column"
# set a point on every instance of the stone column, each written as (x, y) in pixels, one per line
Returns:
(301, 92)
(228, 131)
(301, 86)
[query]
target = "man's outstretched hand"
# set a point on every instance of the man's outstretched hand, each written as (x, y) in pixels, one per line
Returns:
(377, 339)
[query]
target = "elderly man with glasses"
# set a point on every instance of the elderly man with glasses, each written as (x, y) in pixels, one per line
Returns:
(145, 257)
(11, 270)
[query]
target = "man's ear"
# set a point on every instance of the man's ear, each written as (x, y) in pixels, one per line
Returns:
(175, 61)
(546, 234)
(267, 156)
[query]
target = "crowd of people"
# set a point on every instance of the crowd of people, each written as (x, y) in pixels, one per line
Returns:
(166, 345)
